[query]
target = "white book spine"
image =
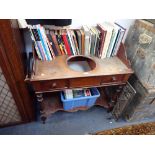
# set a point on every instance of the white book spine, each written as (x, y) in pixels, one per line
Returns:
(118, 43)
(112, 42)
(41, 44)
(35, 43)
(45, 41)
(106, 43)
(69, 36)
(87, 45)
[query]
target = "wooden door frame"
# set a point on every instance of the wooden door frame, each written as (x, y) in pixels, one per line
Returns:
(12, 64)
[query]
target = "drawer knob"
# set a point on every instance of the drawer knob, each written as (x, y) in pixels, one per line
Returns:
(113, 78)
(54, 85)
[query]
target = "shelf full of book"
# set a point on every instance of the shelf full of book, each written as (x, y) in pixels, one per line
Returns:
(102, 41)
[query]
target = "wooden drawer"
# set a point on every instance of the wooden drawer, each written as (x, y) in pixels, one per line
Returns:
(43, 86)
(112, 79)
(84, 82)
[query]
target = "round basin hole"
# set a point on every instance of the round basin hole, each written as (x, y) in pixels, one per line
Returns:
(81, 63)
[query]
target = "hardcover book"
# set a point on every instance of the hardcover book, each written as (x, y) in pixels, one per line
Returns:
(55, 42)
(103, 33)
(109, 30)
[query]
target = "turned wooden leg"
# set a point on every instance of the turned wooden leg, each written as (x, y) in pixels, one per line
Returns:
(43, 118)
(40, 100)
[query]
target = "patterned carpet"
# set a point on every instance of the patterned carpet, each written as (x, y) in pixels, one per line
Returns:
(140, 129)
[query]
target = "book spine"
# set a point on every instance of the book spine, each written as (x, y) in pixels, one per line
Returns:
(71, 43)
(59, 44)
(103, 34)
(118, 43)
(55, 42)
(42, 50)
(75, 42)
(112, 41)
(45, 42)
(66, 44)
(63, 45)
(92, 43)
(49, 46)
(79, 39)
(42, 42)
(106, 44)
(36, 45)
(82, 42)
(97, 52)
(52, 44)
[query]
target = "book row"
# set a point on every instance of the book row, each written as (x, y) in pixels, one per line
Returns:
(102, 40)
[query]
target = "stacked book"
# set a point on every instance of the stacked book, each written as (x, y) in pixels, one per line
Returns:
(76, 93)
(102, 41)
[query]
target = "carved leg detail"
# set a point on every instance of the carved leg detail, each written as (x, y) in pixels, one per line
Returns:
(43, 118)
(40, 100)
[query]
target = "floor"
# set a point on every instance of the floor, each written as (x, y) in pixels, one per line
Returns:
(77, 123)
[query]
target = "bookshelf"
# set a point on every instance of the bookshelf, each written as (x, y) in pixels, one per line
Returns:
(49, 77)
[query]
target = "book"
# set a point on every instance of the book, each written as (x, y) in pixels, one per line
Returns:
(79, 40)
(55, 42)
(87, 92)
(40, 45)
(109, 30)
(82, 42)
(65, 39)
(58, 37)
(87, 39)
(71, 42)
(118, 40)
(52, 43)
(97, 49)
(43, 42)
(102, 37)
(68, 93)
(48, 51)
(49, 45)
(115, 32)
(75, 42)
(36, 40)
(77, 93)
(62, 43)
(81, 92)
(95, 39)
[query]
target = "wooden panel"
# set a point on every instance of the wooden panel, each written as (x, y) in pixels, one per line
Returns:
(58, 69)
(84, 82)
(111, 79)
(11, 61)
(51, 85)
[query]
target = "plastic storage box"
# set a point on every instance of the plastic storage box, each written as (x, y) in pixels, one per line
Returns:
(88, 101)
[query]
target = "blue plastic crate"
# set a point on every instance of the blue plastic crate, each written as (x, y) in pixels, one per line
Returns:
(88, 101)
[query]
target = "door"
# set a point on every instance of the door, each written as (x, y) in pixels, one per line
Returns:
(12, 75)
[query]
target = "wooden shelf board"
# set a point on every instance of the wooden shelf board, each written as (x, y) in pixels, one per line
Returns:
(52, 103)
(58, 69)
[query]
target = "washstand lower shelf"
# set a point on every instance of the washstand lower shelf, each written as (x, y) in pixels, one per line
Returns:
(52, 103)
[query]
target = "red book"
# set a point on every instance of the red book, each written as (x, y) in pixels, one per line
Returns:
(102, 38)
(64, 36)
